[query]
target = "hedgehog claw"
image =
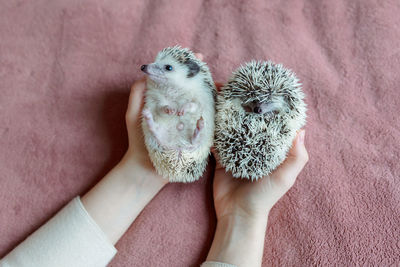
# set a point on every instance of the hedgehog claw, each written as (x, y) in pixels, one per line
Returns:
(168, 110)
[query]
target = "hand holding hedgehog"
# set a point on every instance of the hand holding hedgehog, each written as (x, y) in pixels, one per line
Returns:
(242, 208)
(178, 116)
(259, 111)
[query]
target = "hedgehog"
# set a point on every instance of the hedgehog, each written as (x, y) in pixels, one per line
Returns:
(178, 114)
(258, 113)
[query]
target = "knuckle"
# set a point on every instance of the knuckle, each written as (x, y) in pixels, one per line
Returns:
(289, 182)
(302, 157)
(306, 157)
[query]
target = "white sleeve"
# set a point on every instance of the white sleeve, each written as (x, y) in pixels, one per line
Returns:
(70, 238)
(216, 264)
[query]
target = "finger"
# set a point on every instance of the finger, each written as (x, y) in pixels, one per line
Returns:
(298, 149)
(215, 154)
(136, 100)
(199, 56)
(296, 159)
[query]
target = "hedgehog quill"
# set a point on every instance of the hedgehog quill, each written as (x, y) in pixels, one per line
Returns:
(178, 115)
(259, 111)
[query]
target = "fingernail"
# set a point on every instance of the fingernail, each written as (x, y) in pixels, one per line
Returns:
(301, 137)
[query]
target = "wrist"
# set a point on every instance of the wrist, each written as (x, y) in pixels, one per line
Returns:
(120, 196)
(244, 215)
(239, 240)
(139, 172)
(242, 221)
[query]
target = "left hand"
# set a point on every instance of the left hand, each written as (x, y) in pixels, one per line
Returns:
(137, 154)
(116, 201)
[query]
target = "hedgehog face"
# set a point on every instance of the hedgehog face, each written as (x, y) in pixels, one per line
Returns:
(173, 72)
(262, 108)
(263, 88)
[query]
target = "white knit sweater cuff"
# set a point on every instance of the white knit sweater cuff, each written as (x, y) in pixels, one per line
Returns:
(70, 238)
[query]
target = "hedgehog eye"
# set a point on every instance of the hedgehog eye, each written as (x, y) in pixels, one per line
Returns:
(168, 67)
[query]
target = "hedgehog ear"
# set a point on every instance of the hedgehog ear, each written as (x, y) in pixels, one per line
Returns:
(193, 67)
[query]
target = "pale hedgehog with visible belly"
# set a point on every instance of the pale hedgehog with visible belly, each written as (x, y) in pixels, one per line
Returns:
(178, 114)
(259, 111)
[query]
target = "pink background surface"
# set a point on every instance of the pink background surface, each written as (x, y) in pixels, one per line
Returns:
(65, 72)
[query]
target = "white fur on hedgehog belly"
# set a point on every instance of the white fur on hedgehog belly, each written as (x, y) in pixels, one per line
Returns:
(177, 166)
(264, 147)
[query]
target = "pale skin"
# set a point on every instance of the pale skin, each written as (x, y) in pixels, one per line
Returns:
(242, 207)
(116, 201)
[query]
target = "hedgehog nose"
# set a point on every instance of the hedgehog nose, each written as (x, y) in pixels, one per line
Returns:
(143, 68)
(257, 110)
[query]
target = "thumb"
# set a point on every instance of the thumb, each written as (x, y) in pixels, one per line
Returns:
(135, 101)
(298, 153)
(296, 159)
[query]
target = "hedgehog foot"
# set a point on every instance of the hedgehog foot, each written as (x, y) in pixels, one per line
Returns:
(188, 107)
(168, 110)
(197, 130)
(153, 126)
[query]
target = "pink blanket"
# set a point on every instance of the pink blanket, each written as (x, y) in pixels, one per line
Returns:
(65, 72)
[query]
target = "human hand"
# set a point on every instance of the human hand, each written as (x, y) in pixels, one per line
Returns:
(242, 208)
(116, 201)
(240, 197)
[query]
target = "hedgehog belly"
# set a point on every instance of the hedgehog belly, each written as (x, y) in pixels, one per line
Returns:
(250, 146)
(183, 164)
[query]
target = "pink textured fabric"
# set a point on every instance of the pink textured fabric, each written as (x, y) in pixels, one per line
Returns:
(65, 72)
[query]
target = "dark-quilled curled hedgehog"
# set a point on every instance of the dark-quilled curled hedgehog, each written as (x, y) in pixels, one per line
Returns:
(259, 111)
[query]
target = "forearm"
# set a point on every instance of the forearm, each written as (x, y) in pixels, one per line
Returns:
(116, 201)
(239, 240)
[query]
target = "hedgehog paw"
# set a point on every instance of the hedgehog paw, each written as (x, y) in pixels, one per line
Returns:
(188, 107)
(153, 127)
(168, 110)
(146, 113)
(197, 130)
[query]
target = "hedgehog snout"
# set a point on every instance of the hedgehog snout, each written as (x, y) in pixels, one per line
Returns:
(257, 110)
(154, 71)
(254, 107)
